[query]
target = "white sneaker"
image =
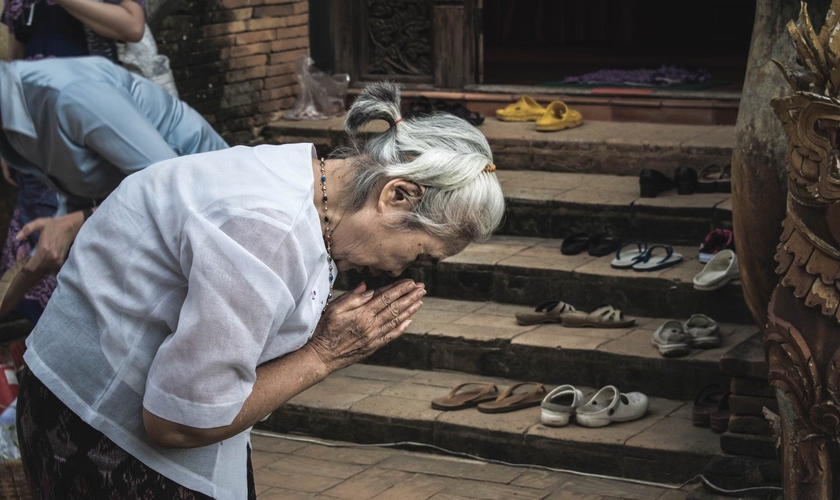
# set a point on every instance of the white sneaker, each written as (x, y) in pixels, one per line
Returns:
(671, 340)
(609, 405)
(560, 404)
(702, 332)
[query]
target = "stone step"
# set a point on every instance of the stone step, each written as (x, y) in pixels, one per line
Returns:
(651, 105)
(483, 338)
(596, 147)
(555, 205)
(373, 404)
(528, 271)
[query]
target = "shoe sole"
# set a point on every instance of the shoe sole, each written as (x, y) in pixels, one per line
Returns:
(556, 128)
(519, 119)
(553, 419)
(671, 350)
(705, 343)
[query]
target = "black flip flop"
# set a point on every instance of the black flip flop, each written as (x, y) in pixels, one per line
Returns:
(574, 244)
(603, 244)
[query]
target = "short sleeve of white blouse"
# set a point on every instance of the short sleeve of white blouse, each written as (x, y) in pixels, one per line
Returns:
(192, 273)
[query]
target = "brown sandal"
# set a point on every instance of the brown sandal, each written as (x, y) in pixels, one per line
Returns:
(508, 401)
(547, 312)
(457, 400)
(603, 317)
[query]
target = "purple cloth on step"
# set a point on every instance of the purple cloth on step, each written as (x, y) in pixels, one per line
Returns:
(662, 77)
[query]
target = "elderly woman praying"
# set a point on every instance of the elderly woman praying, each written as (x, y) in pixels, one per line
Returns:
(196, 300)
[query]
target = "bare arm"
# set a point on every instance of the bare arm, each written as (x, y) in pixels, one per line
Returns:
(354, 326)
(125, 21)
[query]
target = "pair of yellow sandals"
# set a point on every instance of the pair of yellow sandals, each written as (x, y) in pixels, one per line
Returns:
(557, 116)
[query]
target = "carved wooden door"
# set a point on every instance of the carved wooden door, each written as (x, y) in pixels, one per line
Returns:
(411, 41)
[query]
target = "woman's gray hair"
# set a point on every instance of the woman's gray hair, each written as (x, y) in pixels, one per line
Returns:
(445, 154)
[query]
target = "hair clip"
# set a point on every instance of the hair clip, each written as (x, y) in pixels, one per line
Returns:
(490, 168)
(396, 122)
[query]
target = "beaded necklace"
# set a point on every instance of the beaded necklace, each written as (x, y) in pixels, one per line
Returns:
(327, 230)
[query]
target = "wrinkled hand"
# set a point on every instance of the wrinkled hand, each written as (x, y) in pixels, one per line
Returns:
(7, 173)
(360, 322)
(57, 235)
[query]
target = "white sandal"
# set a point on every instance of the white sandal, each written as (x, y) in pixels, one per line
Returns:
(718, 272)
(609, 405)
(560, 404)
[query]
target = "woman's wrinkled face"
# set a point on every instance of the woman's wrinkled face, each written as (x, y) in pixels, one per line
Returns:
(391, 250)
(371, 239)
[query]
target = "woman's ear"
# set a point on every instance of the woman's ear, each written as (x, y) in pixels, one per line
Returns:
(400, 194)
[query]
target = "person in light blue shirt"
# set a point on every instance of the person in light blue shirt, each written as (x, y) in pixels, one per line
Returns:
(82, 124)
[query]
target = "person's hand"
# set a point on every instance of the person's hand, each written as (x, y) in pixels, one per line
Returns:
(57, 235)
(360, 322)
(7, 173)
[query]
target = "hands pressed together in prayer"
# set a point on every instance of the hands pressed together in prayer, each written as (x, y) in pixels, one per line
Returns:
(359, 322)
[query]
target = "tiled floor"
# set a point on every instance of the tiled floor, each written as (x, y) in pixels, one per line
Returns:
(295, 470)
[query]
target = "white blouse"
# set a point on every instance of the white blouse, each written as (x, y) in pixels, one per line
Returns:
(190, 274)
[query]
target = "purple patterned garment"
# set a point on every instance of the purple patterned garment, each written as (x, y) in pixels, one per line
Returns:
(661, 77)
(64, 457)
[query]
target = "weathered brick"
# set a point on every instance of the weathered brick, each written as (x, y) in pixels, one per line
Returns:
(265, 23)
(278, 93)
(280, 81)
(280, 104)
(290, 44)
(248, 62)
(275, 11)
(298, 20)
(295, 32)
(208, 107)
(225, 28)
(245, 74)
(180, 59)
(239, 137)
(223, 16)
(291, 55)
(240, 100)
(246, 87)
(250, 50)
(280, 69)
(255, 37)
(237, 4)
(200, 71)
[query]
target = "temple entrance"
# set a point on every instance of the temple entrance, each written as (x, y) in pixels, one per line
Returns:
(541, 42)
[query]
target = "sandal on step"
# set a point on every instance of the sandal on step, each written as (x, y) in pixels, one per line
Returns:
(624, 259)
(558, 116)
(560, 404)
(649, 262)
(719, 419)
(16, 283)
(510, 400)
(707, 178)
(574, 244)
(609, 405)
(601, 244)
(547, 312)
(525, 109)
(458, 399)
(671, 340)
(605, 316)
(706, 402)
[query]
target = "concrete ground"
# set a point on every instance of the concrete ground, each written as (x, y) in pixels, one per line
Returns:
(292, 470)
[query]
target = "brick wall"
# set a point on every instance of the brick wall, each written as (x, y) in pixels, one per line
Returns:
(233, 60)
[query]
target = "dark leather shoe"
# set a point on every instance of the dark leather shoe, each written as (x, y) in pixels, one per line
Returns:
(686, 180)
(652, 182)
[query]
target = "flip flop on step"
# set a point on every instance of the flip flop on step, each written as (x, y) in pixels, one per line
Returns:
(511, 400)
(608, 406)
(458, 398)
(525, 109)
(651, 262)
(605, 316)
(547, 312)
(624, 259)
(574, 244)
(718, 272)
